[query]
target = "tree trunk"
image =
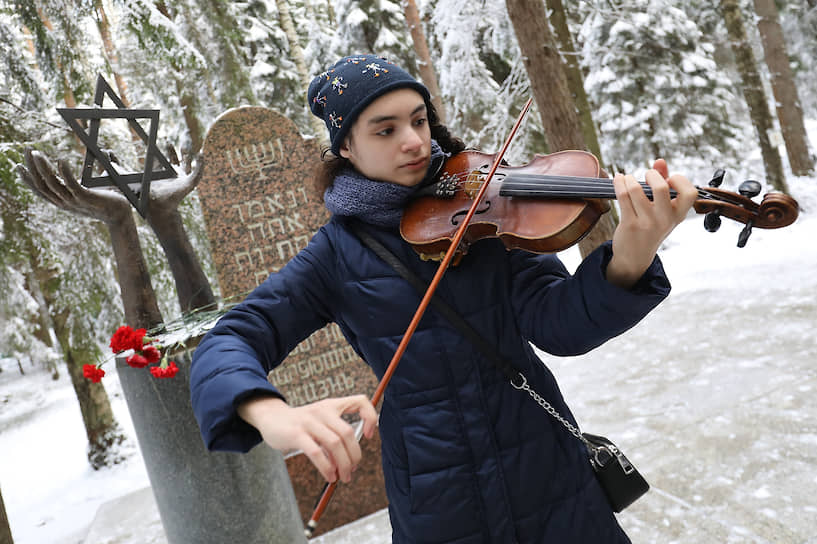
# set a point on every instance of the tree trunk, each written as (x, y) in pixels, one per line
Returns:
(190, 110)
(575, 79)
(44, 331)
(427, 73)
(67, 91)
(789, 111)
(101, 427)
(5, 529)
(552, 93)
(753, 92)
(110, 50)
(300, 64)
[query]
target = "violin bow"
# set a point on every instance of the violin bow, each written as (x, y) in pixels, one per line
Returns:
(329, 490)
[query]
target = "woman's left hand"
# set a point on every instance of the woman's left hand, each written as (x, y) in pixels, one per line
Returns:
(646, 223)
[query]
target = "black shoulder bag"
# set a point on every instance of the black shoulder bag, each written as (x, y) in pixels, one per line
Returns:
(618, 477)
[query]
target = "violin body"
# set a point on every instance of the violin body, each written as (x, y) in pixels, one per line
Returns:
(530, 223)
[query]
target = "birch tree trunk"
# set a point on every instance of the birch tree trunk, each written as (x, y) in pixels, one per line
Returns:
(753, 92)
(297, 53)
(789, 111)
(552, 93)
(426, 67)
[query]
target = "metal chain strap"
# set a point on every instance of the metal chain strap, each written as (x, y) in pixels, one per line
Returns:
(551, 410)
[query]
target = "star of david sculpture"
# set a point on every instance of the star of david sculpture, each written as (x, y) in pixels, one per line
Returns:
(139, 199)
(93, 197)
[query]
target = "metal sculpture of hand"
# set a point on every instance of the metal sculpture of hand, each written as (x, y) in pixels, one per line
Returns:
(138, 297)
(192, 287)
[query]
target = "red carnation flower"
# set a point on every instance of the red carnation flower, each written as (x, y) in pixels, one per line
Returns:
(93, 373)
(152, 354)
(137, 361)
(167, 372)
(126, 338)
(138, 338)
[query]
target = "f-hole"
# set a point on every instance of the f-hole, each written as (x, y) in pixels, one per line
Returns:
(455, 219)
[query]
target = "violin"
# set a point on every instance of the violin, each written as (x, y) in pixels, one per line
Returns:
(552, 202)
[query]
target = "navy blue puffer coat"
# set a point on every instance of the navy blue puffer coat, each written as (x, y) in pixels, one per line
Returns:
(467, 458)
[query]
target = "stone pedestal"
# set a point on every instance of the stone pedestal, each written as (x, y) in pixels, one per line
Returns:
(205, 497)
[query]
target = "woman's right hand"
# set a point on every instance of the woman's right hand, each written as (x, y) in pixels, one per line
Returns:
(316, 429)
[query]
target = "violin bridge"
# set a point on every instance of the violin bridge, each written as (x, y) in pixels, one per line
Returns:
(473, 183)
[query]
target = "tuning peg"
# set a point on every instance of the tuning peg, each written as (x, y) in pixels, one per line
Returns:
(717, 178)
(749, 188)
(712, 221)
(743, 237)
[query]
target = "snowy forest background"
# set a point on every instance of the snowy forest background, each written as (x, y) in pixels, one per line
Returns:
(661, 78)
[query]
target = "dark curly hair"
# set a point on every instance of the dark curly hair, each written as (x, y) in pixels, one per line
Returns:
(330, 165)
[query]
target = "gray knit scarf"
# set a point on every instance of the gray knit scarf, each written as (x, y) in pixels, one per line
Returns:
(376, 202)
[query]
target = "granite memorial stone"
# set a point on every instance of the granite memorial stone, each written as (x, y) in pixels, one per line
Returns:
(260, 210)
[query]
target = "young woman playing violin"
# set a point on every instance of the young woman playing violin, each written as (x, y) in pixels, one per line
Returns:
(466, 457)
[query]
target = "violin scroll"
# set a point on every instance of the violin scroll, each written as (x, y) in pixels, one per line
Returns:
(776, 210)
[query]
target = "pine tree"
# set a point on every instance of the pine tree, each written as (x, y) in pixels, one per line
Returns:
(374, 26)
(482, 77)
(279, 73)
(166, 68)
(548, 75)
(654, 84)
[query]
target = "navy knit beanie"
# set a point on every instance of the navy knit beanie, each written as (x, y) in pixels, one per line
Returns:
(342, 92)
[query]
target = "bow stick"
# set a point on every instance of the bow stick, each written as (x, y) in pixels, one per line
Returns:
(329, 490)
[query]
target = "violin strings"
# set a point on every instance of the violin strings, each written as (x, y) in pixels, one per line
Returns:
(563, 185)
(568, 186)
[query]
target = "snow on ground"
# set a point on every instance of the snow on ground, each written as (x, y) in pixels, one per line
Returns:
(710, 394)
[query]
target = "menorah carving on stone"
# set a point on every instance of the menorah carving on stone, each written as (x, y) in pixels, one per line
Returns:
(255, 157)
